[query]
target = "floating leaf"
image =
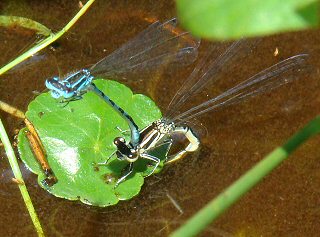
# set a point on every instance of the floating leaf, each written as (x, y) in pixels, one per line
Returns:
(79, 135)
(221, 19)
(14, 21)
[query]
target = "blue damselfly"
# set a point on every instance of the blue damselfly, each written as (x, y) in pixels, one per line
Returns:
(158, 44)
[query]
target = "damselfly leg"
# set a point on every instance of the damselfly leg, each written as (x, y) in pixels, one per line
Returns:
(107, 160)
(122, 131)
(129, 167)
(155, 161)
(152, 158)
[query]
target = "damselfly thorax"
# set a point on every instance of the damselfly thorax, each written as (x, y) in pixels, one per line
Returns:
(72, 87)
(154, 133)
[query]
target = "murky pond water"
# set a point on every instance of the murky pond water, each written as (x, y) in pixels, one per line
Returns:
(286, 203)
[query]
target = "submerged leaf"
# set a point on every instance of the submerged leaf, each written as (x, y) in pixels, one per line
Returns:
(14, 21)
(79, 135)
(221, 19)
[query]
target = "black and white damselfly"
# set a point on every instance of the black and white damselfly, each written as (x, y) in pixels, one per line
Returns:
(177, 120)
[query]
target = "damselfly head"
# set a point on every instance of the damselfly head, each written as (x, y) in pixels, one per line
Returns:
(119, 140)
(53, 84)
(60, 88)
(121, 145)
(51, 81)
(124, 152)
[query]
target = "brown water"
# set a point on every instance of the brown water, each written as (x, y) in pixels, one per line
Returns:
(286, 203)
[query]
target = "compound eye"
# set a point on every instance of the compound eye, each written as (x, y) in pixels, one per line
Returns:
(119, 140)
(55, 94)
(55, 79)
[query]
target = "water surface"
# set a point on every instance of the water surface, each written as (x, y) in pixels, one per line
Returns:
(286, 203)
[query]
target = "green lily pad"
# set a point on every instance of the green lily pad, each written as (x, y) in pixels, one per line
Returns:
(80, 134)
(221, 19)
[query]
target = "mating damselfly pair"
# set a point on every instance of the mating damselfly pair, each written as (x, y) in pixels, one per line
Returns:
(163, 43)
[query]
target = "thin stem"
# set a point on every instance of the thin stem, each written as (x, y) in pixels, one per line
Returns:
(11, 110)
(13, 21)
(47, 41)
(18, 176)
(234, 192)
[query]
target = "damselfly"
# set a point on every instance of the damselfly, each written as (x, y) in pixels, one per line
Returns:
(176, 120)
(156, 45)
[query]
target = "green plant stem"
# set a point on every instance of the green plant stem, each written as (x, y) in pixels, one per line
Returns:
(11, 110)
(18, 176)
(12, 21)
(234, 192)
(47, 41)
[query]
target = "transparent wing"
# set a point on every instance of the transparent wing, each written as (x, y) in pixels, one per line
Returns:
(266, 80)
(210, 69)
(36, 58)
(31, 61)
(156, 45)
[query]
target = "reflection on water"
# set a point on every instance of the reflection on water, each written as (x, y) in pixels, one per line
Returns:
(286, 203)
